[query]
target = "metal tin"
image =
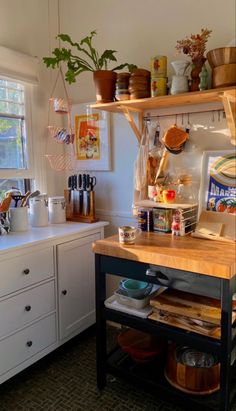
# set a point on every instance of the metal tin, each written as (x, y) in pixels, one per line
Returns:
(162, 219)
(159, 66)
(158, 86)
(145, 219)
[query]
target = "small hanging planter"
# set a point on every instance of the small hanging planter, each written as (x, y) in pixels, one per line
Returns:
(60, 105)
(60, 133)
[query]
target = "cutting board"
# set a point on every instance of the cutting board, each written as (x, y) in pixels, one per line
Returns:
(204, 328)
(189, 305)
(216, 226)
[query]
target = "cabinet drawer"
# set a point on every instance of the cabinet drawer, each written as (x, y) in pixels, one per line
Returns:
(168, 277)
(17, 348)
(17, 311)
(27, 269)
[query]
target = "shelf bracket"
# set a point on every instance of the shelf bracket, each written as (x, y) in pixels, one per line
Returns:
(137, 130)
(229, 102)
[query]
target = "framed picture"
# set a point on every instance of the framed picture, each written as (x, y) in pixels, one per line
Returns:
(218, 181)
(92, 138)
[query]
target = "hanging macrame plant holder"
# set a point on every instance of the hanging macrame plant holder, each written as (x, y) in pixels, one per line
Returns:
(61, 134)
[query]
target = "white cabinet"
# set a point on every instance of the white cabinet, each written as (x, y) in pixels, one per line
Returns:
(47, 291)
(76, 285)
(27, 307)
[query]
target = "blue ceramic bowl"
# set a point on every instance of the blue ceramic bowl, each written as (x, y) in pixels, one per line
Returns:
(135, 288)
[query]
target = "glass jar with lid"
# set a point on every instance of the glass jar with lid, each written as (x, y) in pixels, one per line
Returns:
(187, 193)
(57, 210)
(38, 211)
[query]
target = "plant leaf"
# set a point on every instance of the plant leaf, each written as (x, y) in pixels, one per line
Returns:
(130, 67)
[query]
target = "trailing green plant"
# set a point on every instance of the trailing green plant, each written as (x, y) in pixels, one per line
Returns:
(86, 59)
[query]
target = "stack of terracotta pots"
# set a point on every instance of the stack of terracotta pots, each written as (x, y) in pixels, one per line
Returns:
(122, 86)
(139, 84)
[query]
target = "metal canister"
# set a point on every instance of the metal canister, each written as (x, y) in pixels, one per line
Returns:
(158, 86)
(145, 219)
(159, 66)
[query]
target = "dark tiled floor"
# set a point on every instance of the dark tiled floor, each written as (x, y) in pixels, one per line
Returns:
(66, 380)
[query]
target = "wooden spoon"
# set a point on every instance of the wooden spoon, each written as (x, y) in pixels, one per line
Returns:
(6, 203)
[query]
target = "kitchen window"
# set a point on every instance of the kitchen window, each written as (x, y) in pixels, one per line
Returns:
(18, 76)
(15, 144)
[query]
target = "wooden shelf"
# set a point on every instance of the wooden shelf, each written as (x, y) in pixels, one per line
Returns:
(185, 99)
(226, 95)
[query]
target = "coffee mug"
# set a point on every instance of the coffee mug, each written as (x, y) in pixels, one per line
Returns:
(128, 234)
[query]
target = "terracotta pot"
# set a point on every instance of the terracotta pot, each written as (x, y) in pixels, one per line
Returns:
(105, 81)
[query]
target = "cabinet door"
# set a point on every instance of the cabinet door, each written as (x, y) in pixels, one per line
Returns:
(76, 285)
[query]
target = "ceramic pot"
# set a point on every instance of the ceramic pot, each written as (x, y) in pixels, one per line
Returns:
(197, 65)
(105, 81)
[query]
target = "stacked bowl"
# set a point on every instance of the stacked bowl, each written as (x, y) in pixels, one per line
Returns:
(122, 86)
(139, 84)
(223, 64)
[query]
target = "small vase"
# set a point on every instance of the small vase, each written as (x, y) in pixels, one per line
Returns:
(196, 70)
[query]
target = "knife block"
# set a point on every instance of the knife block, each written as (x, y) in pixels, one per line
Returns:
(70, 207)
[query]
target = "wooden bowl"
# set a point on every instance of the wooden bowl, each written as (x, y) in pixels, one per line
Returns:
(224, 76)
(221, 56)
(198, 380)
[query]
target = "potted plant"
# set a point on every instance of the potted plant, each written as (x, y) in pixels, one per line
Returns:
(87, 58)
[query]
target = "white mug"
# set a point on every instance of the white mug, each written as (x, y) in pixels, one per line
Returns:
(128, 234)
(18, 217)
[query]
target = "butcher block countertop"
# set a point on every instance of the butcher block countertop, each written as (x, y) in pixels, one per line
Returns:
(200, 256)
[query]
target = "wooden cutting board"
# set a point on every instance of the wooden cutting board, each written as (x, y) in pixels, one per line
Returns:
(185, 323)
(189, 305)
(213, 225)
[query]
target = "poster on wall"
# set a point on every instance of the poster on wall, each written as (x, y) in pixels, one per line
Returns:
(218, 183)
(92, 138)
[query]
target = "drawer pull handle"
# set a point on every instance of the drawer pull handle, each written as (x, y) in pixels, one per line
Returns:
(29, 343)
(27, 307)
(64, 292)
(151, 273)
(161, 278)
(26, 271)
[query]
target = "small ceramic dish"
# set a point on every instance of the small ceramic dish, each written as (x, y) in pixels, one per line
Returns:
(135, 288)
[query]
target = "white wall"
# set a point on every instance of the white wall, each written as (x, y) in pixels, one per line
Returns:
(138, 30)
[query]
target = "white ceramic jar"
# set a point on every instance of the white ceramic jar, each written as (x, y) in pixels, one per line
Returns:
(57, 210)
(38, 211)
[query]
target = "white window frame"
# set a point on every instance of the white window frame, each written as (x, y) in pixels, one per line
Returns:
(8, 173)
(24, 69)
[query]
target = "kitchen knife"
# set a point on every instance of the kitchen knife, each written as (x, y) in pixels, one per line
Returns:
(80, 187)
(85, 196)
(93, 182)
(76, 203)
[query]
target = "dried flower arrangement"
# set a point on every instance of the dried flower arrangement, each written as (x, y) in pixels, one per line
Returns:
(195, 46)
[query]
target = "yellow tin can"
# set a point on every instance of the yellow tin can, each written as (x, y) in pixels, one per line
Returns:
(158, 86)
(159, 66)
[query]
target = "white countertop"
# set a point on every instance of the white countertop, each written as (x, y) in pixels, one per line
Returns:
(36, 235)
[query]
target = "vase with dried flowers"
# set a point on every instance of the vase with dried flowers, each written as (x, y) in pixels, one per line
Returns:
(195, 47)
